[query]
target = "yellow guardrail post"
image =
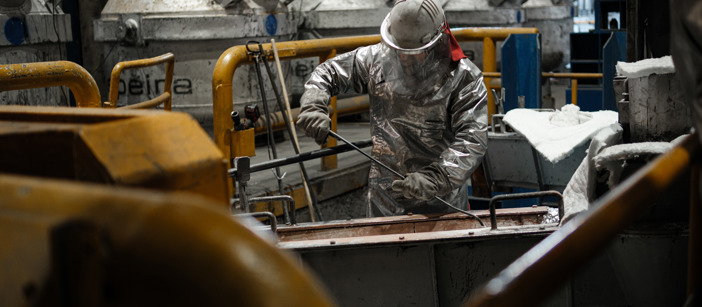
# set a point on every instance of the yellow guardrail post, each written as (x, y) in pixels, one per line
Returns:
(489, 65)
(330, 162)
(165, 98)
(48, 74)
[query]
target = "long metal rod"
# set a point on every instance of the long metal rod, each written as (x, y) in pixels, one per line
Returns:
(338, 137)
(311, 200)
(305, 156)
(542, 270)
(269, 135)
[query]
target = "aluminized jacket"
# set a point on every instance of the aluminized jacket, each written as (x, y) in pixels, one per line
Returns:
(436, 115)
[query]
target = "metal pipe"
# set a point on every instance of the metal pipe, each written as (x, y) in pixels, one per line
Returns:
(48, 74)
(281, 198)
(489, 65)
(571, 75)
(346, 106)
(161, 99)
(553, 75)
(530, 279)
(302, 157)
(167, 58)
(271, 217)
(539, 194)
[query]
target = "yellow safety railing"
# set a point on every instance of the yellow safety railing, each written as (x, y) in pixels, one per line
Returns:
(232, 58)
(164, 98)
(572, 76)
(531, 279)
(48, 74)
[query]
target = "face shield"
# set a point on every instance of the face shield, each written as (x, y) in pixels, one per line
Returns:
(415, 68)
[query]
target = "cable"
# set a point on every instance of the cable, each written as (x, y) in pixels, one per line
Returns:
(102, 62)
(58, 38)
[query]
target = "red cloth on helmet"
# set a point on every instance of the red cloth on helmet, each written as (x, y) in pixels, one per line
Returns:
(456, 51)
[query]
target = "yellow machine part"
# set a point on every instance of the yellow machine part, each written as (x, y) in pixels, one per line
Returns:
(82, 244)
(137, 148)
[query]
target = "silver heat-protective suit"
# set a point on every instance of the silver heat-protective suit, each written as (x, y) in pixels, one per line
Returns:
(428, 115)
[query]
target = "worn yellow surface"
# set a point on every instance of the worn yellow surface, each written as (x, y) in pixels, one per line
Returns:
(146, 248)
(164, 98)
(148, 149)
(48, 74)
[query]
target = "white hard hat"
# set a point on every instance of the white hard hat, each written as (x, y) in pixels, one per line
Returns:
(414, 23)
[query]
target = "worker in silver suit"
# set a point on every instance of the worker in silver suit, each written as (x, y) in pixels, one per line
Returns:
(427, 108)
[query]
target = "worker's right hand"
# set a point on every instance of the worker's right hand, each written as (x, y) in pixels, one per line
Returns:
(316, 125)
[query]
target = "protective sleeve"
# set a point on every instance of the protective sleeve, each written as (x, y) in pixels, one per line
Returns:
(343, 73)
(468, 111)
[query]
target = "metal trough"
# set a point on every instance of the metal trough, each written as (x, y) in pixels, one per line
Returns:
(511, 161)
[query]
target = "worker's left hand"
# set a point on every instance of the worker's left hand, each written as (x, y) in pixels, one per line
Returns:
(425, 184)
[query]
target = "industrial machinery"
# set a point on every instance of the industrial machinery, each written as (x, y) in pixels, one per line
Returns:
(169, 241)
(196, 32)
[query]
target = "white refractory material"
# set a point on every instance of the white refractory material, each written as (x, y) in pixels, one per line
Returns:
(646, 67)
(556, 134)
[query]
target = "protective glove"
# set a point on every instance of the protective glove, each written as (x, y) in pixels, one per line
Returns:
(316, 125)
(428, 182)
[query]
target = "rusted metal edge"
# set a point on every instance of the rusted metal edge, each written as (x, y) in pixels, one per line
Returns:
(436, 237)
(415, 218)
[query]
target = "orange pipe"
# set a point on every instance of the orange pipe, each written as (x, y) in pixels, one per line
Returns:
(489, 65)
(48, 74)
(161, 99)
(168, 58)
(569, 75)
